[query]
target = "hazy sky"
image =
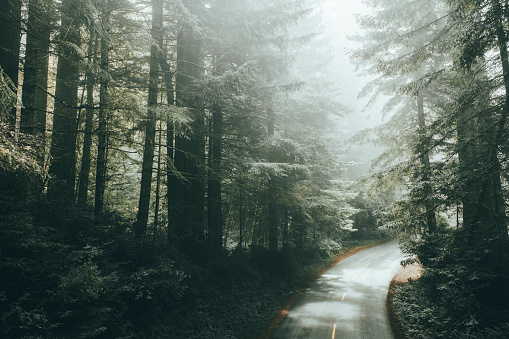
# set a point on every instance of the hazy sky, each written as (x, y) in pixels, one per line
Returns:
(339, 22)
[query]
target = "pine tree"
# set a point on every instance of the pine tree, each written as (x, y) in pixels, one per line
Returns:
(150, 123)
(86, 158)
(35, 76)
(100, 180)
(63, 142)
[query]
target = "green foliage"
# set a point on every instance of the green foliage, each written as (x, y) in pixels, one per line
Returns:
(459, 293)
(81, 280)
(20, 173)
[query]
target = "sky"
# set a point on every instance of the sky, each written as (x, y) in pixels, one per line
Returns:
(339, 23)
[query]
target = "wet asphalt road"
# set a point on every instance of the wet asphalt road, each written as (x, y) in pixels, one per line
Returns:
(347, 301)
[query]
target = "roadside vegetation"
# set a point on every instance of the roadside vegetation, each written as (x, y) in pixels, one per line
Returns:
(65, 275)
(443, 68)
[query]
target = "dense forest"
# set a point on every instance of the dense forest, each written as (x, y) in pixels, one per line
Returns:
(176, 168)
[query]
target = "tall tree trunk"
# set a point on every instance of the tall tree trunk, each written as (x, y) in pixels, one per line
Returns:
(484, 215)
(255, 228)
(188, 150)
(10, 37)
(215, 220)
(241, 217)
(425, 167)
(286, 231)
(63, 141)
(158, 178)
(35, 79)
(273, 217)
(89, 127)
(501, 134)
(102, 144)
(171, 178)
(273, 220)
(469, 164)
(150, 124)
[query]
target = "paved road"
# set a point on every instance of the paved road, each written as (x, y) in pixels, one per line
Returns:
(347, 301)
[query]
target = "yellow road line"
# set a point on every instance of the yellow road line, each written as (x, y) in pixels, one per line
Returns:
(334, 331)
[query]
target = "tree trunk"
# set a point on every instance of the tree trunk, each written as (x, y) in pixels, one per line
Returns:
(171, 178)
(35, 78)
(102, 145)
(10, 37)
(150, 127)
(500, 214)
(255, 228)
(469, 164)
(187, 192)
(273, 218)
(63, 140)
(241, 217)
(286, 231)
(215, 222)
(89, 126)
(158, 179)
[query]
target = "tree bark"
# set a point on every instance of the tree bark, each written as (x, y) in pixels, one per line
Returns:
(171, 178)
(158, 178)
(63, 141)
(273, 218)
(215, 222)
(241, 217)
(188, 191)
(84, 175)
(102, 145)
(150, 123)
(469, 164)
(35, 78)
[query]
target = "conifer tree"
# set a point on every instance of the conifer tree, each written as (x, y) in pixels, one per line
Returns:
(150, 121)
(63, 142)
(100, 181)
(35, 78)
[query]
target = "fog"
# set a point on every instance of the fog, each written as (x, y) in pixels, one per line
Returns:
(339, 25)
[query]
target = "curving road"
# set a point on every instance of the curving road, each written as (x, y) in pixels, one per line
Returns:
(347, 301)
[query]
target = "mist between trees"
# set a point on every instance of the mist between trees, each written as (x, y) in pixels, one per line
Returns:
(153, 152)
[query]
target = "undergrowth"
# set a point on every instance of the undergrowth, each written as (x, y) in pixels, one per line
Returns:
(463, 292)
(63, 275)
